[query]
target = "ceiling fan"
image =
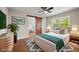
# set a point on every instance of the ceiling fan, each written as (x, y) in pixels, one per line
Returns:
(46, 9)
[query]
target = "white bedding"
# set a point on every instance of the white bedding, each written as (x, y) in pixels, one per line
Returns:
(62, 36)
(49, 46)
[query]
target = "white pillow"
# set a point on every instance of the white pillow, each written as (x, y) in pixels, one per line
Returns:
(56, 31)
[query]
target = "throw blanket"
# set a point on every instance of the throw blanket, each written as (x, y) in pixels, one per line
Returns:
(58, 41)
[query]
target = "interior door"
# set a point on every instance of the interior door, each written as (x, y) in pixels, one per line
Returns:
(38, 25)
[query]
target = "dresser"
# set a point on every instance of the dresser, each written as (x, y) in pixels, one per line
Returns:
(6, 42)
(74, 39)
(74, 42)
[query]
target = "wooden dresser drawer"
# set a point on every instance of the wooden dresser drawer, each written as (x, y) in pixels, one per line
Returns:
(74, 39)
(6, 45)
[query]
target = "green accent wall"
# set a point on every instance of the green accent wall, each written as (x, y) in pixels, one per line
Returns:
(2, 20)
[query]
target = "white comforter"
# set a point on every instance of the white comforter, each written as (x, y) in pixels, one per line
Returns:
(62, 36)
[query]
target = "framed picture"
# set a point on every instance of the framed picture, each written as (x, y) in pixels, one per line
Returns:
(18, 20)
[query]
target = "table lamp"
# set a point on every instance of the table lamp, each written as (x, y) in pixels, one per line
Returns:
(74, 30)
(48, 29)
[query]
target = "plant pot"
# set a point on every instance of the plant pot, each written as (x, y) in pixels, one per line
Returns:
(15, 38)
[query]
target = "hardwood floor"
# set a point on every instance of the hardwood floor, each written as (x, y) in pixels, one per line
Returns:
(20, 46)
(74, 46)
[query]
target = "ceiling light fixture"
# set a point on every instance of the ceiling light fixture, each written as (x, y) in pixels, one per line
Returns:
(45, 12)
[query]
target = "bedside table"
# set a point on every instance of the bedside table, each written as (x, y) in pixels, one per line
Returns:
(74, 39)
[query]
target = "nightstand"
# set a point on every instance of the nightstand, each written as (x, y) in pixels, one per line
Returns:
(74, 39)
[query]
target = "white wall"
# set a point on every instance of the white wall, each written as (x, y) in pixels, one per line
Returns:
(23, 30)
(4, 9)
(43, 25)
(31, 24)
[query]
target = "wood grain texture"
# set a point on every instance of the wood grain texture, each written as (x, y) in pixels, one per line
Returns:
(6, 44)
(21, 46)
(38, 25)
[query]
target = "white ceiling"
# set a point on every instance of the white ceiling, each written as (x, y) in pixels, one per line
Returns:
(34, 11)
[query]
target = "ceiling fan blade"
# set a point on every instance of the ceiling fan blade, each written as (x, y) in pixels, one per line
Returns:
(50, 8)
(43, 8)
(49, 11)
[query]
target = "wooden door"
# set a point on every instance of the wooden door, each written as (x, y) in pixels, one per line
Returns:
(38, 25)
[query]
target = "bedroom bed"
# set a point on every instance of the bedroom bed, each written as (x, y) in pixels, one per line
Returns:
(47, 45)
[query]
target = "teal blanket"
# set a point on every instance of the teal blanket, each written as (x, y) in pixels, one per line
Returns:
(58, 41)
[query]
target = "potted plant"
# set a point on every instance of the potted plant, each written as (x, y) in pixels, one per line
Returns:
(13, 28)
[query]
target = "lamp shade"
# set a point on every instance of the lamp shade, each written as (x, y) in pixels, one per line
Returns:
(48, 29)
(74, 29)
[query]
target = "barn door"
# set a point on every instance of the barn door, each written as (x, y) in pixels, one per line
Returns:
(38, 25)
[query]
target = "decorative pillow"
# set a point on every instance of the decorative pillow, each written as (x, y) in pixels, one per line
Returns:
(56, 31)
